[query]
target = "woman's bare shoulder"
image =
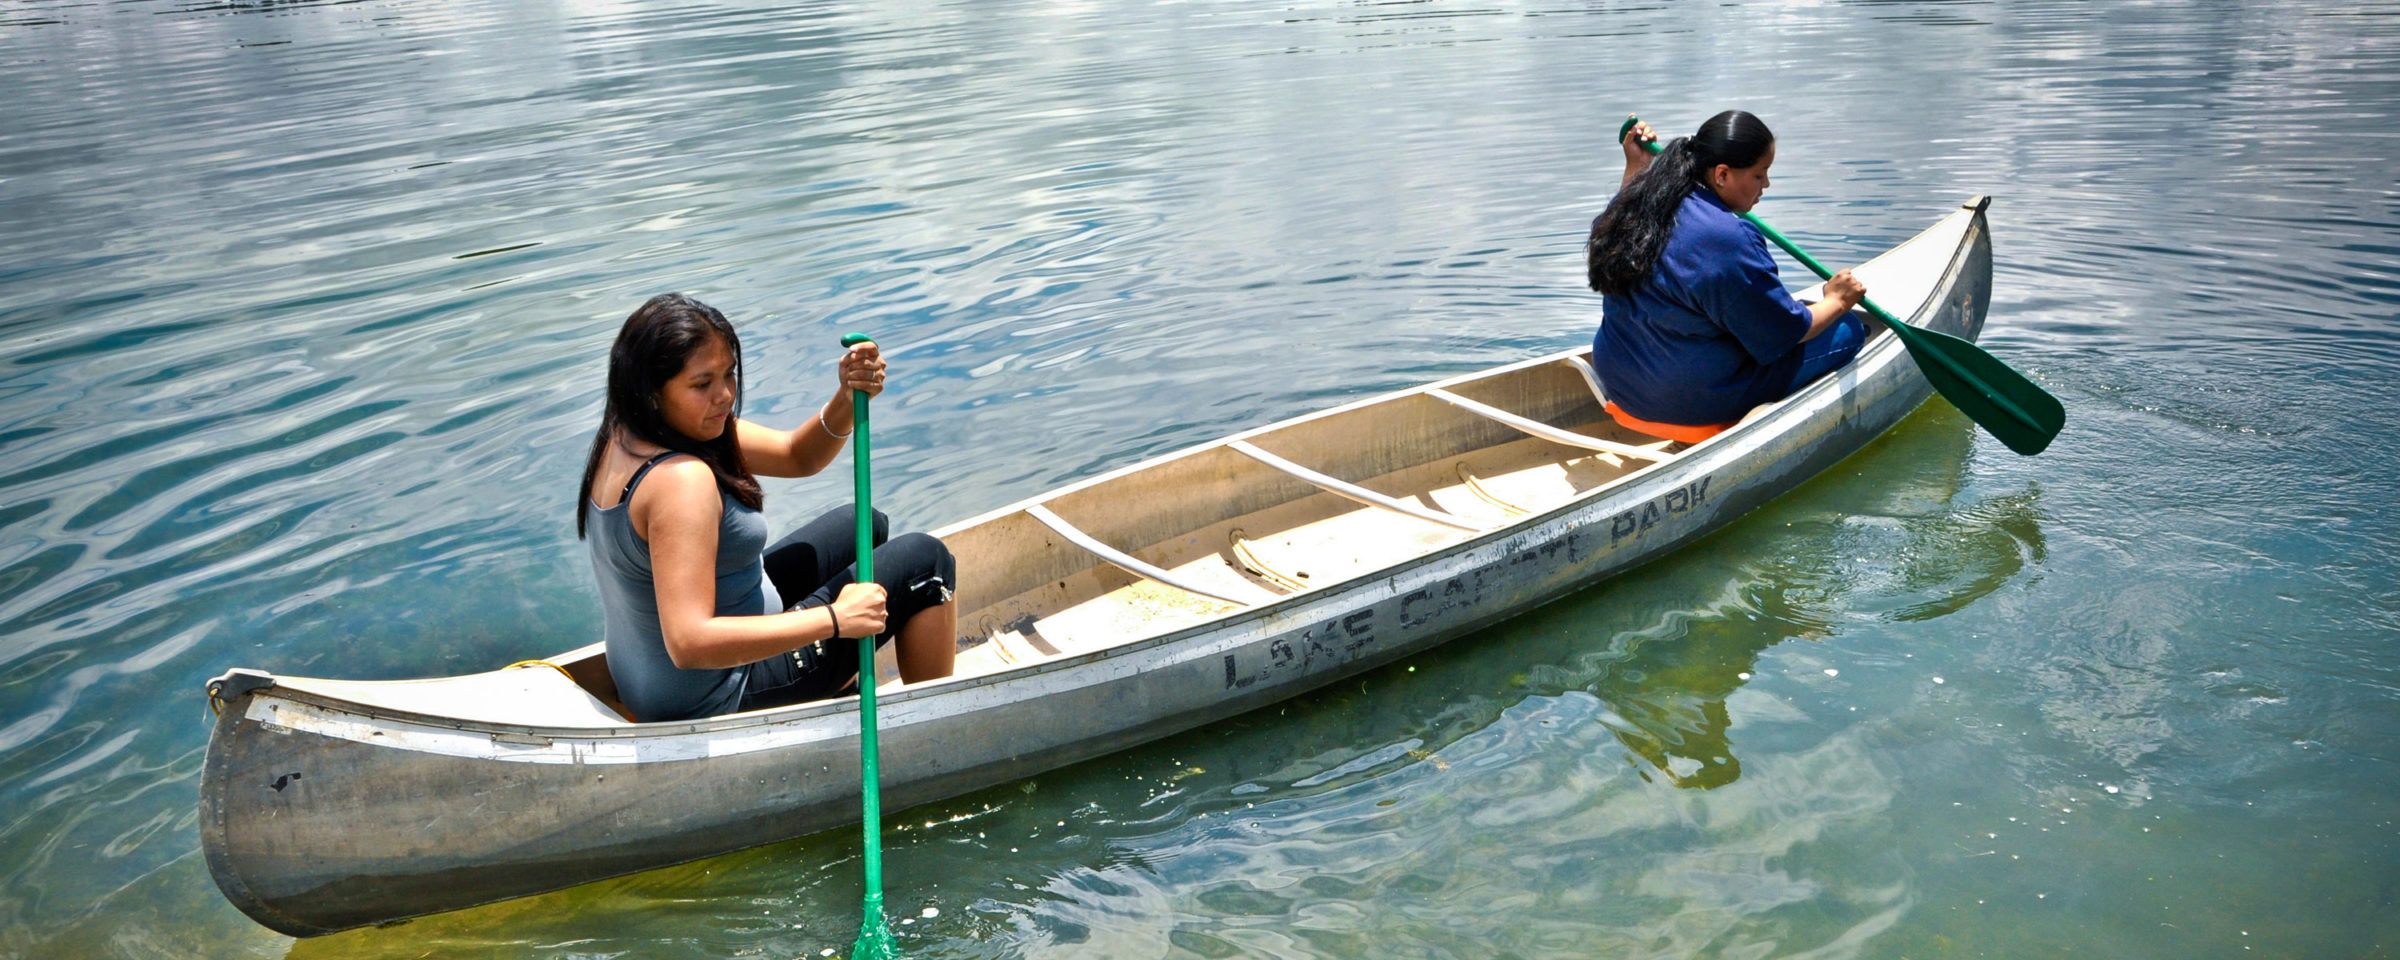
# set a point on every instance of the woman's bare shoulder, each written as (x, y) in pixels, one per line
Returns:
(679, 472)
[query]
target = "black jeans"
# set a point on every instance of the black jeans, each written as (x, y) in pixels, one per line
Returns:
(814, 563)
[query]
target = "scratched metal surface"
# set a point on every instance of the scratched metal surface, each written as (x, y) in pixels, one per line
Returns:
(301, 307)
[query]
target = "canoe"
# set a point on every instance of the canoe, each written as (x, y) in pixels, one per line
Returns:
(1120, 609)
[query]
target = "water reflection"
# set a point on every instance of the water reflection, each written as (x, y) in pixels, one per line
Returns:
(1931, 556)
(1667, 703)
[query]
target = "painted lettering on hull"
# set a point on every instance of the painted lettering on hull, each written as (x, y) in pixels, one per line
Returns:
(1343, 639)
(1335, 641)
(1679, 500)
(1348, 637)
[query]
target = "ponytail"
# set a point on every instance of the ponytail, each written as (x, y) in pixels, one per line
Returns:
(1632, 233)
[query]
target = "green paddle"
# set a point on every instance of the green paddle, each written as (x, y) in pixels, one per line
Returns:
(874, 932)
(2020, 414)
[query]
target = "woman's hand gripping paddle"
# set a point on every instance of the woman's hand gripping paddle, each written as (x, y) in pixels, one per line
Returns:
(2020, 414)
(874, 932)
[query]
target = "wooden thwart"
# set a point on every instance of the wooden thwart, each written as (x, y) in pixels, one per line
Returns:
(1351, 490)
(1591, 378)
(1546, 431)
(1127, 561)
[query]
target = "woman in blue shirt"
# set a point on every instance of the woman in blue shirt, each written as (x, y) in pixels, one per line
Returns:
(1696, 328)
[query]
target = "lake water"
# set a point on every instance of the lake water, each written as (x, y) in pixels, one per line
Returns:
(303, 310)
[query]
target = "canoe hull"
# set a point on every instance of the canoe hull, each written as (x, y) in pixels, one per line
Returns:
(464, 813)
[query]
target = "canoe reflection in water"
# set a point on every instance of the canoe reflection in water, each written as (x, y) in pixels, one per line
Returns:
(1928, 555)
(1668, 704)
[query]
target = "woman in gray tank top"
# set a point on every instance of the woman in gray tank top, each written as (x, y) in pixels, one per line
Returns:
(702, 616)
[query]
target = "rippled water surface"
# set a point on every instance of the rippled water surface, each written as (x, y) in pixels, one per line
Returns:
(302, 316)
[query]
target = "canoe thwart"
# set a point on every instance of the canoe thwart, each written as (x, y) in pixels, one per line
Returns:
(1126, 561)
(1545, 431)
(1591, 378)
(1350, 490)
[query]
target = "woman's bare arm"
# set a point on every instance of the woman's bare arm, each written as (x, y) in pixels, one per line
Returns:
(677, 509)
(811, 447)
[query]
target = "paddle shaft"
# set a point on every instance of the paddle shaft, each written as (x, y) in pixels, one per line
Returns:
(1995, 396)
(874, 932)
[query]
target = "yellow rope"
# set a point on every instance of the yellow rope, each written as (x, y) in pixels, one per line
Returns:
(562, 671)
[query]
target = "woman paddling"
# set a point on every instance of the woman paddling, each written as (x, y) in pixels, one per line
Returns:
(1696, 328)
(698, 616)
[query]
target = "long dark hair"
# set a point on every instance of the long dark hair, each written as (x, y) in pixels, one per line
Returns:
(1631, 234)
(651, 349)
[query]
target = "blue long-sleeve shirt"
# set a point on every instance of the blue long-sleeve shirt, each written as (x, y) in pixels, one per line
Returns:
(1710, 333)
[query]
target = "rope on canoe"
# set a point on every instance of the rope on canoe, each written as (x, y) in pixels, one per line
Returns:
(562, 671)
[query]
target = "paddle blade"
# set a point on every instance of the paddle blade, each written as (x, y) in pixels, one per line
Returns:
(2016, 411)
(874, 942)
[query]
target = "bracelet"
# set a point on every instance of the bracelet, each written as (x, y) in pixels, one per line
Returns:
(837, 621)
(829, 430)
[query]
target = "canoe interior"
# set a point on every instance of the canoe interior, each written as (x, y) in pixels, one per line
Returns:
(1247, 531)
(1229, 529)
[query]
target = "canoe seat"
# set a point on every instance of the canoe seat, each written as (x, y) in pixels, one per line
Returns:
(533, 694)
(1677, 432)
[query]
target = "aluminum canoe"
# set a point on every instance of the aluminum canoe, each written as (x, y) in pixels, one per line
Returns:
(1120, 609)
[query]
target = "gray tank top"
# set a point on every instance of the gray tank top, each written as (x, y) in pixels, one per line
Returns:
(650, 684)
